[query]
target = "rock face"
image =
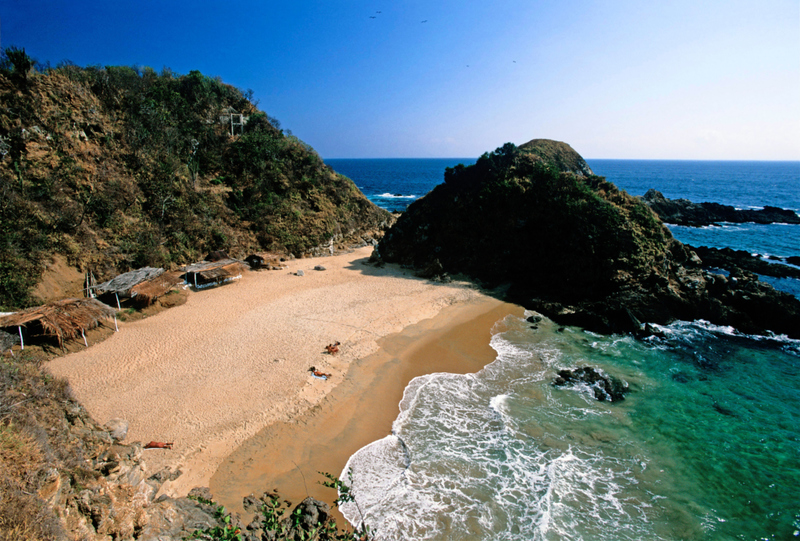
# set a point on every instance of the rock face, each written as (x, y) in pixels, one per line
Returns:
(684, 212)
(573, 247)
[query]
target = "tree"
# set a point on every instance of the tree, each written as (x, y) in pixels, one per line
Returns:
(16, 64)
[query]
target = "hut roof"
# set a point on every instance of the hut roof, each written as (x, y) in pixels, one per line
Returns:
(205, 273)
(205, 267)
(149, 291)
(64, 319)
(123, 283)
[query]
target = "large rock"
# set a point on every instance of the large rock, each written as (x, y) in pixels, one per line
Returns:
(574, 247)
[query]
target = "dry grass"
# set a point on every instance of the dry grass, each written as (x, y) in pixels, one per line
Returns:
(146, 293)
(65, 319)
(32, 448)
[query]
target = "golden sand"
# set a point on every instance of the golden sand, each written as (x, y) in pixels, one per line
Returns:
(213, 374)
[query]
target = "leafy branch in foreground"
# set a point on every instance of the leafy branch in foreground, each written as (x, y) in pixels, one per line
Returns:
(346, 496)
(224, 531)
(276, 521)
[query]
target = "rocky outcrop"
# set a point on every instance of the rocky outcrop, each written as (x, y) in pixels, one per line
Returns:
(574, 248)
(729, 259)
(684, 212)
(561, 155)
(65, 477)
(601, 385)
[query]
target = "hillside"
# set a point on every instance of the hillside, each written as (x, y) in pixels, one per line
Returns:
(115, 168)
(571, 245)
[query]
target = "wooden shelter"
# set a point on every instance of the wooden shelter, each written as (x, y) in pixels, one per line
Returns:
(145, 293)
(65, 319)
(212, 273)
(255, 261)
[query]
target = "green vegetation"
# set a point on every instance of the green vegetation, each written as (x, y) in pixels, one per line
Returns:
(119, 167)
(515, 217)
(280, 523)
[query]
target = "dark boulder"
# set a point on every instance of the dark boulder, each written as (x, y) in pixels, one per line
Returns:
(602, 386)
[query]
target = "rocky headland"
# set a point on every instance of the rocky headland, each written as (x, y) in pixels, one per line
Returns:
(572, 246)
(685, 212)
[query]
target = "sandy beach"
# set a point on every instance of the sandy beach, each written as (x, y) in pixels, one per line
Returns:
(212, 374)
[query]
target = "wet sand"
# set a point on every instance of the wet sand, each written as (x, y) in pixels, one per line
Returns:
(211, 374)
(288, 456)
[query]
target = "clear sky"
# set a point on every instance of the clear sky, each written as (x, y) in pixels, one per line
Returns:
(683, 79)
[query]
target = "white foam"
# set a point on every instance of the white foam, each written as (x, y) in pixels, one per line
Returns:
(396, 196)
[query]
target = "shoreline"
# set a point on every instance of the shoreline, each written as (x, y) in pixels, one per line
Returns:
(286, 457)
(210, 374)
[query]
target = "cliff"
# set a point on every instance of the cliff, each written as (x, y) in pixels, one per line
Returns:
(571, 245)
(116, 168)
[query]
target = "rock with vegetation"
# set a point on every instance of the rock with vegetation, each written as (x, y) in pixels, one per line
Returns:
(118, 168)
(65, 477)
(571, 245)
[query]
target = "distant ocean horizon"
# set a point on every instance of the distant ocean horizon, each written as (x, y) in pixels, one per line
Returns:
(706, 447)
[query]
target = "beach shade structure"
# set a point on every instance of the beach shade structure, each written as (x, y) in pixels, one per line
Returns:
(218, 255)
(212, 273)
(65, 319)
(146, 293)
(122, 285)
(255, 261)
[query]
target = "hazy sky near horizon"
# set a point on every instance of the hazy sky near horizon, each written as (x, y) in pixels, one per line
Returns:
(685, 79)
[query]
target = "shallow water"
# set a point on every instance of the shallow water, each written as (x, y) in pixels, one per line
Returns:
(706, 446)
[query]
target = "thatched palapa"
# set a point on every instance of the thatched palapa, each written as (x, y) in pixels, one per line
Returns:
(122, 284)
(207, 274)
(147, 292)
(65, 319)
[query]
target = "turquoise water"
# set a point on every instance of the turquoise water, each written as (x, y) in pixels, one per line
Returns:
(706, 446)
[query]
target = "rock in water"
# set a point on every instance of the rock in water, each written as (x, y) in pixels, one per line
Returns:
(604, 387)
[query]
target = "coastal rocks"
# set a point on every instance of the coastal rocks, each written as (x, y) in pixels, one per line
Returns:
(602, 386)
(684, 212)
(574, 248)
(729, 259)
(117, 429)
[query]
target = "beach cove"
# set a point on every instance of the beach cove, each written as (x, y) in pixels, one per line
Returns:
(212, 374)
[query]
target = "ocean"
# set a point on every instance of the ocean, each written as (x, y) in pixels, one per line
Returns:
(705, 447)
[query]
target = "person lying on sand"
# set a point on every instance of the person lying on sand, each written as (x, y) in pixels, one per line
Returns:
(318, 374)
(332, 349)
(158, 445)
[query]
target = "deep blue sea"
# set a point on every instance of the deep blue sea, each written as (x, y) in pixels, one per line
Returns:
(706, 447)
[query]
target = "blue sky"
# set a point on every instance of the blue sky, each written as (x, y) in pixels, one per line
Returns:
(614, 79)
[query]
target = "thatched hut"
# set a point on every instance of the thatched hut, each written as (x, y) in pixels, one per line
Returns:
(65, 319)
(211, 273)
(121, 286)
(145, 293)
(255, 261)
